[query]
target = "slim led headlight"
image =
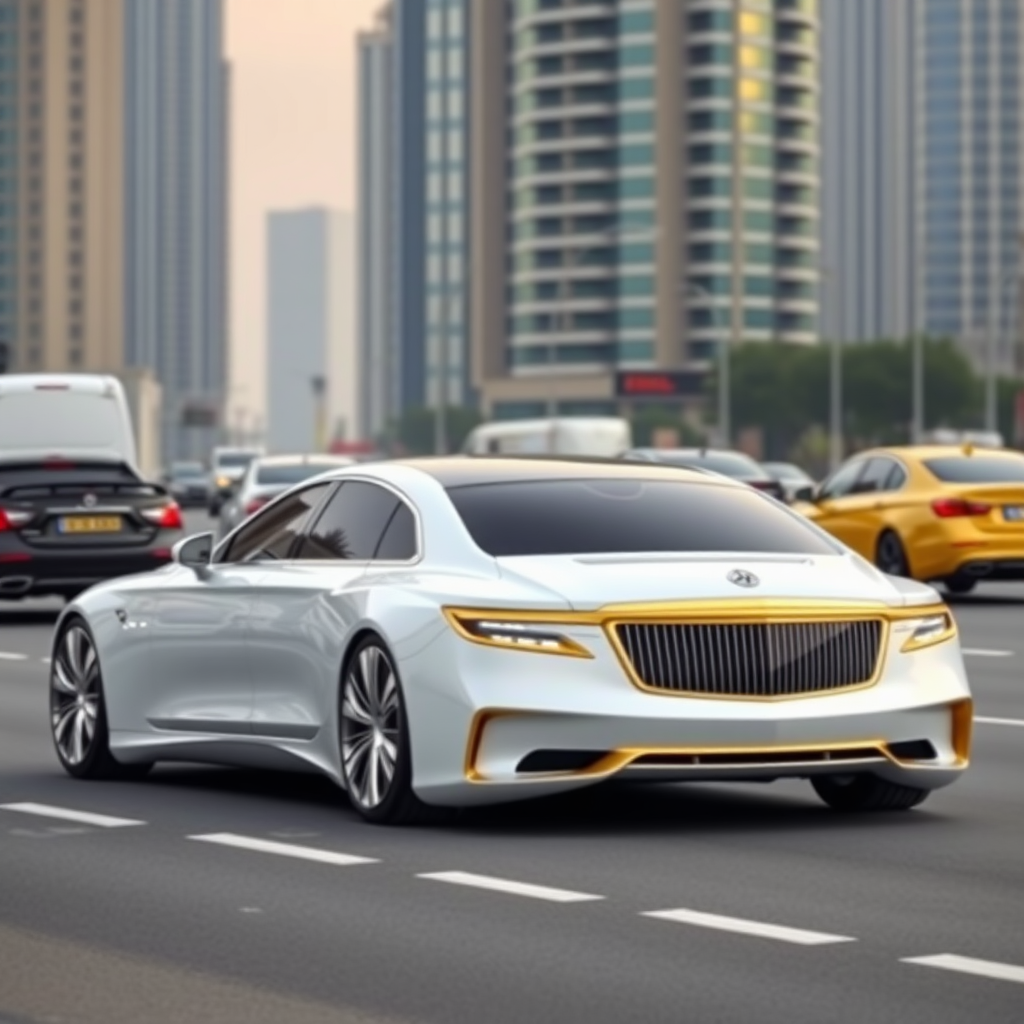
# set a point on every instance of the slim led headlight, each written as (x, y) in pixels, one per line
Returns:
(930, 630)
(513, 634)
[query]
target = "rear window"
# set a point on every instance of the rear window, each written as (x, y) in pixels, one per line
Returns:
(188, 469)
(235, 459)
(977, 469)
(739, 467)
(601, 516)
(62, 421)
(280, 476)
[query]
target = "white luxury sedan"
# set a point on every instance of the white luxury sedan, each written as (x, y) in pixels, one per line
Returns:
(448, 632)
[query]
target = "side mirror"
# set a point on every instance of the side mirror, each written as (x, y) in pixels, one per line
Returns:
(806, 494)
(194, 552)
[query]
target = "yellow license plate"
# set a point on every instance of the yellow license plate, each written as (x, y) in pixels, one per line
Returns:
(90, 524)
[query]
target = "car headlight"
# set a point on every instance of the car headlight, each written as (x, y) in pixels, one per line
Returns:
(502, 631)
(223, 482)
(930, 630)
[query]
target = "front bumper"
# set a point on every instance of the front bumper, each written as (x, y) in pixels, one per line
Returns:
(519, 724)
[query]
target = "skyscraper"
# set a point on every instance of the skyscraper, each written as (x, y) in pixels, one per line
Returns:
(308, 331)
(924, 155)
(176, 211)
(645, 189)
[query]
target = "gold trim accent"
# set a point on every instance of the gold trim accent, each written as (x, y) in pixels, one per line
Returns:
(913, 644)
(568, 648)
(962, 713)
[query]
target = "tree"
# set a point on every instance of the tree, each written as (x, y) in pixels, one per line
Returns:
(415, 429)
(649, 418)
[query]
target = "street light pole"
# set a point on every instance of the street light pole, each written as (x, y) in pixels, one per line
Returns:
(992, 369)
(917, 397)
(835, 433)
(441, 410)
(724, 383)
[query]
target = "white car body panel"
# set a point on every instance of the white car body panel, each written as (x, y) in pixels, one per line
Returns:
(243, 665)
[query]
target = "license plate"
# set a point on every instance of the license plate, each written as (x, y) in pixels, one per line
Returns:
(1014, 513)
(89, 524)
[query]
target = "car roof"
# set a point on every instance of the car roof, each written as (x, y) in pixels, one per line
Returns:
(464, 471)
(920, 452)
(300, 460)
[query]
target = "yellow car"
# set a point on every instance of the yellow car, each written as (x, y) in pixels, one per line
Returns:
(942, 513)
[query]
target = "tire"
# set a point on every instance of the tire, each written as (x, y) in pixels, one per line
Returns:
(78, 716)
(891, 556)
(959, 584)
(860, 793)
(373, 729)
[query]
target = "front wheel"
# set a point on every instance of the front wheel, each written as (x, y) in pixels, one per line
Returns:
(376, 760)
(891, 557)
(855, 793)
(78, 716)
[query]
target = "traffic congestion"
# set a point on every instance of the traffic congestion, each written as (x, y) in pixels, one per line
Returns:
(575, 670)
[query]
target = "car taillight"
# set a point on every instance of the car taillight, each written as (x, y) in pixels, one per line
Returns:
(950, 508)
(167, 517)
(255, 505)
(13, 520)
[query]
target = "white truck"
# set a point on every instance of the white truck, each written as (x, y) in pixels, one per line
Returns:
(594, 436)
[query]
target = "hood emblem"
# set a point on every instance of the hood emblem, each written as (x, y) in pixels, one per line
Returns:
(742, 578)
(89, 501)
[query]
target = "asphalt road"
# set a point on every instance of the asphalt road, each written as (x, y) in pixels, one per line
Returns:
(163, 911)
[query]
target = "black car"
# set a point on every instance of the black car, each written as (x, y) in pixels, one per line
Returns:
(67, 524)
(189, 484)
(729, 463)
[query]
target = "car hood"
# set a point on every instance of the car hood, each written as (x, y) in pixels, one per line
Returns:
(589, 582)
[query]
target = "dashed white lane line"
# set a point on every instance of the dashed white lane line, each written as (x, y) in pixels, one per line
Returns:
(12, 656)
(984, 652)
(741, 926)
(283, 849)
(66, 814)
(968, 965)
(1019, 723)
(537, 892)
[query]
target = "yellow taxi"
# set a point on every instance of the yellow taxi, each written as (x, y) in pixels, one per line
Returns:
(953, 514)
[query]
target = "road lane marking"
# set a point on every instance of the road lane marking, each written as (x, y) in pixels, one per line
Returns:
(968, 965)
(11, 656)
(1019, 723)
(537, 892)
(83, 817)
(984, 652)
(283, 849)
(744, 927)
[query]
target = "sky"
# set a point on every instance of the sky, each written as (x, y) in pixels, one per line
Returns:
(293, 139)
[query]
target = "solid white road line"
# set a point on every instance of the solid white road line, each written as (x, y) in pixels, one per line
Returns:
(1019, 723)
(744, 927)
(968, 965)
(537, 892)
(283, 849)
(11, 656)
(82, 817)
(982, 652)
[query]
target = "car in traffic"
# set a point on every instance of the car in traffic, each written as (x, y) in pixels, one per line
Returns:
(441, 633)
(227, 467)
(793, 480)
(66, 524)
(736, 465)
(266, 478)
(189, 484)
(938, 513)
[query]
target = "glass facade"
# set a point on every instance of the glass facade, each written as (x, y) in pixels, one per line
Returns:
(9, 173)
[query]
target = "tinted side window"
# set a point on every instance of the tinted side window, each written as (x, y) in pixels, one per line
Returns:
(273, 531)
(897, 477)
(842, 481)
(399, 541)
(351, 525)
(875, 476)
(622, 516)
(977, 469)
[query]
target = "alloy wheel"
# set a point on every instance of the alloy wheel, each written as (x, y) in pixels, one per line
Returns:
(891, 557)
(371, 720)
(75, 696)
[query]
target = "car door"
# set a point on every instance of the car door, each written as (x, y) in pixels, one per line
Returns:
(862, 512)
(831, 509)
(201, 679)
(306, 607)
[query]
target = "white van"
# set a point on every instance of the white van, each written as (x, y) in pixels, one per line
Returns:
(76, 415)
(594, 436)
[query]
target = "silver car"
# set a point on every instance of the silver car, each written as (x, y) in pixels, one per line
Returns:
(266, 478)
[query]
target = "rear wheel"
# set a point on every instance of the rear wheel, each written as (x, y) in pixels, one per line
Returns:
(959, 584)
(78, 717)
(376, 760)
(854, 793)
(891, 557)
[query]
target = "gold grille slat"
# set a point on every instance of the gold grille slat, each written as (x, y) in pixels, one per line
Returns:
(756, 660)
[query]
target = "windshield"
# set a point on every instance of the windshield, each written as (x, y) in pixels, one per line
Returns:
(62, 421)
(235, 460)
(187, 469)
(291, 473)
(977, 469)
(602, 516)
(733, 464)
(786, 471)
